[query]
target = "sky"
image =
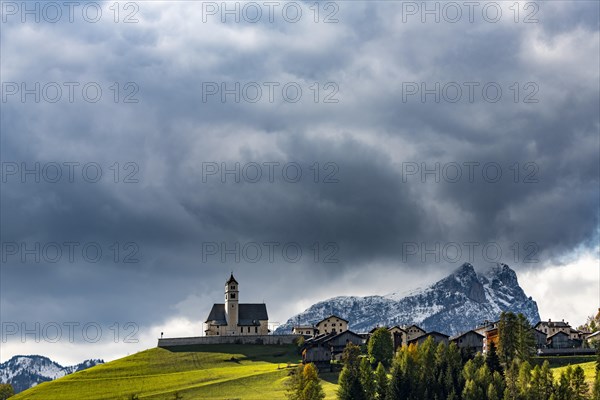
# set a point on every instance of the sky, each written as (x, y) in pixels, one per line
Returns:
(151, 148)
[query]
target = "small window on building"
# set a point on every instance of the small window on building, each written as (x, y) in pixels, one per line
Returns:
(233, 295)
(255, 329)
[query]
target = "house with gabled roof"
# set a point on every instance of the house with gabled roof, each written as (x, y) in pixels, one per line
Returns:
(325, 347)
(333, 323)
(551, 327)
(413, 331)
(470, 340)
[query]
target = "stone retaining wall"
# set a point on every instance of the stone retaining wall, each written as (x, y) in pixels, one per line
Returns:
(246, 339)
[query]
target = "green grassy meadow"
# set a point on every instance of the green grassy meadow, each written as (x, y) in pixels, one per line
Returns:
(589, 368)
(200, 372)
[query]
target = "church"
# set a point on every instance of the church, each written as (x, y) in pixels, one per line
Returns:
(235, 319)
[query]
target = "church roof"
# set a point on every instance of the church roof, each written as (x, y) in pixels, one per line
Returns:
(248, 314)
(217, 314)
(231, 279)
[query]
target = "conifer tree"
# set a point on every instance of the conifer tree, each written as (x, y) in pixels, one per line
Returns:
(313, 391)
(564, 390)
(304, 384)
(397, 389)
(492, 360)
(350, 387)
(596, 390)
(507, 337)
(579, 386)
(511, 392)
(546, 383)
(524, 380)
(426, 369)
(498, 384)
(382, 382)
(453, 380)
(492, 394)
(367, 379)
(525, 346)
(296, 384)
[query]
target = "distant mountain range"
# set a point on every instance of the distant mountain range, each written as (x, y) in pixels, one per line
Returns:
(23, 372)
(453, 305)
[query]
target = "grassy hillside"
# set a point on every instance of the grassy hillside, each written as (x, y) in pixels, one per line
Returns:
(589, 368)
(202, 372)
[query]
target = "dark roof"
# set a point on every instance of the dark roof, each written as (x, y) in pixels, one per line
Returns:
(554, 324)
(432, 333)
(396, 326)
(348, 332)
(332, 316)
(324, 338)
(488, 325)
(320, 339)
(557, 333)
(416, 326)
(251, 314)
(464, 334)
(538, 332)
(231, 279)
(389, 329)
(248, 314)
(217, 314)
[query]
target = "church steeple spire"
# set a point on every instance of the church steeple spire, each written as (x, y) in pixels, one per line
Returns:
(231, 304)
(231, 279)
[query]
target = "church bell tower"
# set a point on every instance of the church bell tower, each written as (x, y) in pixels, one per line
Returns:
(232, 304)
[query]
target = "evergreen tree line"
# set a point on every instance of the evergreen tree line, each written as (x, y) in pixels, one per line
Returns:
(432, 371)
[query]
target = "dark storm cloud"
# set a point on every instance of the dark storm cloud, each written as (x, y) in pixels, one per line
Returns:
(369, 213)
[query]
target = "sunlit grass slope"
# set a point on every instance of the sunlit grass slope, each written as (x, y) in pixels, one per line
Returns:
(202, 372)
(589, 368)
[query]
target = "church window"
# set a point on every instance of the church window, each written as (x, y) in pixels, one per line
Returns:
(233, 295)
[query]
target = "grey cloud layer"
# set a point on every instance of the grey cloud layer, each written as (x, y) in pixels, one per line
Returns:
(370, 213)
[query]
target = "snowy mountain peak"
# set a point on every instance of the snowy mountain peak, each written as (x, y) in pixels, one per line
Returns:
(502, 273)
(456, 303)
(466, 269)
(23, 372)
